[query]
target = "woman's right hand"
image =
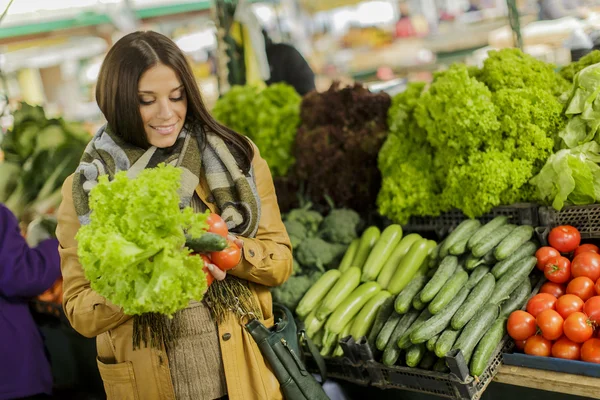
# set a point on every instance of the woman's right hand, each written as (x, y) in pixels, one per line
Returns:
(216, 272)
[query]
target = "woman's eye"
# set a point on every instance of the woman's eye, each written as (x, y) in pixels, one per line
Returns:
(177, 98)
(146, 102)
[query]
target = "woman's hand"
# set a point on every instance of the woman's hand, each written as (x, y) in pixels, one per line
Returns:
(215, 271)
(234, 239)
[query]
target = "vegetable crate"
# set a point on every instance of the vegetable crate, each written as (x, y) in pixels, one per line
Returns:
(585, 218)
(454, 385)
(341, 368)
(522, 214)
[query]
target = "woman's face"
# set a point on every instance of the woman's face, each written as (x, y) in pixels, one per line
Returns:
(163, 105)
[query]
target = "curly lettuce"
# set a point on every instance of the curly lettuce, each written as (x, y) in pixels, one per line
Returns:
(133, 252)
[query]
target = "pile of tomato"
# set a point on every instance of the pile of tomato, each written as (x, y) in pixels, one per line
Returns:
(563, 319)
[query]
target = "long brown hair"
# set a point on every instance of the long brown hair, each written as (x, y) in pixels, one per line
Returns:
(117, 92)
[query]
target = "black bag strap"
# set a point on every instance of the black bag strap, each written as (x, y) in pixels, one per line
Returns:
(314, 352)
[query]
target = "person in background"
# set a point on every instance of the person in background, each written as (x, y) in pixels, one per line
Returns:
(556, 9)
(25, 272)
(287, 65)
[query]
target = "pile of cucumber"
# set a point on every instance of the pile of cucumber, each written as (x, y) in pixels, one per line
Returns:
(478, 275)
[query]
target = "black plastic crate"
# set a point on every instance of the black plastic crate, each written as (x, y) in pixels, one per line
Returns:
(341, 368)
(521, 214)
(585, 218)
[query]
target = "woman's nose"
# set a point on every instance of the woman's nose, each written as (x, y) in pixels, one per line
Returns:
(165, 110)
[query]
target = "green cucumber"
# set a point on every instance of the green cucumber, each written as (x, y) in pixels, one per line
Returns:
(486, 229)
(444, 272)
(517, 298)
(404, 341)
(386, 332)
(207, 243)
(437, 323)
(521, 235)
(382, 250)
(492, 240)
(317, 292)
(489, 258)
(440, 366)
(406, 296)
(428, 361)
(366, 316)
(443, 251)
(472, 262)
(392, 351)
(459, 248)
(431, 342)
(488, 343)
(449, 291)
(476, 275)
(435, 255)
(475, 329)
(394, 260)
(410, 264)
(415, 354)
(386, 309)
(476, 298)
(464, 229)
(512, 278)
(346, 284)
(349, 255)
(417, 303)
(445, 342)
(527, 249)
(351, 306)
(367, 241)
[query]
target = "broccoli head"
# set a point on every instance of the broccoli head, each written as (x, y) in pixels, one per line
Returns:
(291, 292)
(340, 226)
(317, 253)
(296, 231)
(310, 219)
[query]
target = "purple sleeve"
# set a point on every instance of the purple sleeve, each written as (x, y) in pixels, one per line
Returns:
(25, 271)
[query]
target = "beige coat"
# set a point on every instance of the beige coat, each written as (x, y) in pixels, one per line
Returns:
(144, 374)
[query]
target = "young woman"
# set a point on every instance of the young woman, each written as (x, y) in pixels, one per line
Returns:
(155, 114)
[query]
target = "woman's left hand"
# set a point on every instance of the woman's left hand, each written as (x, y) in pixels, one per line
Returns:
(234, 239)
(216, 272)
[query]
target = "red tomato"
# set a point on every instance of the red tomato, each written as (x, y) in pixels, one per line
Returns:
(541, 302)
(545, 254)
(209, 277)
(521, 325)
(578, 327)
(538, 346)
(558, 270)
(566, 349)
(592, 309)
(555, 289)
(590, 351)
(581, 286)
(520, 344)
(568, 304)
(551, 324)
(586, 264)
(597, 287)
(564, 238)
(216, 225)
(586, 247)
(228, 258)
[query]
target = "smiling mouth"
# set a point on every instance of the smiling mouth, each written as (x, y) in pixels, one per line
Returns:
(164, 129)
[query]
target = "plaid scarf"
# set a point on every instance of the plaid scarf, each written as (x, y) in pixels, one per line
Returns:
(195, 153)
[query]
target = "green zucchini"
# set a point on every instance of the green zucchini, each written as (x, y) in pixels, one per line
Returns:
(512, 278)
(486, 229)
(346, 284)
(366, 316)
(492, 240)
(475, 329)
(386, 309)
(417, 303)
(317, 292)
(410, 264)
(476, 298)
(349, 255)
(406, 296)
(517, 298)
(312, 324)
(438, 322)
(317, 338)
(415, 354)
(339, 352)
(329, 343)
(392, 351)
(382, 250)
(449, 291)
(431, 342)
(367, 241)
(440, 365)
(476, 275)
(386, 332)
(351, 306)
(512, 242)
(207, 243)
(404, 341)
(444, 272)
(464, 229)
(392, 262)
(527, 249)
(445, 342)
(428, 361)
(488, 343)
(472, 262)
